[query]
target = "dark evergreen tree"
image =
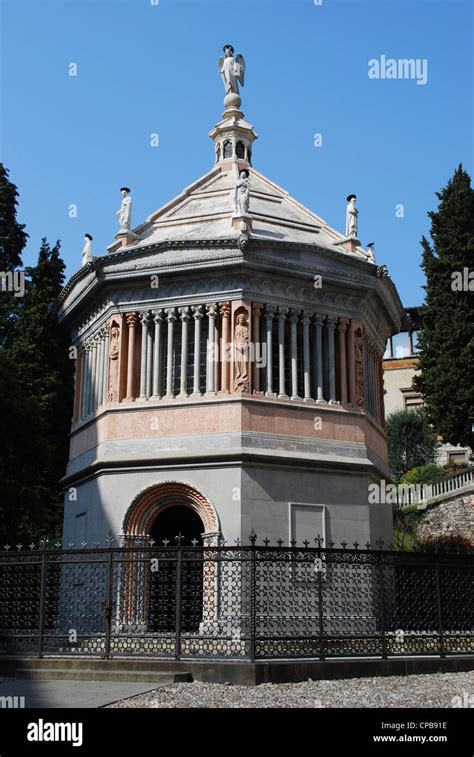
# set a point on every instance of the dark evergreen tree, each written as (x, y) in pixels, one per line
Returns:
(411, 442)
(12, 241)
(23, 459)
(446, 340)
(40, 349)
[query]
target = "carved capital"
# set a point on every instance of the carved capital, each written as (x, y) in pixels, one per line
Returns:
(132, 320)
(170, 314)
(224, 309)
(158, 316)
(197, 312)
(257, 308)
(144, 319)
(282, 314)
(184, 313)
(270, 311)
(294, 315)
(211, 310)
(319, 319)
(342, 325)
(331, 322)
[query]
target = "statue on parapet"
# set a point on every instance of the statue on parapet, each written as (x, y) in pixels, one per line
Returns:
(125, 212)
(352, 214)
(87, 255)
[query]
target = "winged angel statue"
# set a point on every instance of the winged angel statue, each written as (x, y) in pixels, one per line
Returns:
(232, 70)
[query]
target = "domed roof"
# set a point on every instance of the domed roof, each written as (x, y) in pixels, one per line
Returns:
(204, 211)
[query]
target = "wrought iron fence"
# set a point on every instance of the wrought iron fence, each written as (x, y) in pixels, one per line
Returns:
(243, 602)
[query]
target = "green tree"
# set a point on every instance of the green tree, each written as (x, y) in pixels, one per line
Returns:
(12, 241)
(23, 458)
(446, 340)
(411, 442)
(40, 349)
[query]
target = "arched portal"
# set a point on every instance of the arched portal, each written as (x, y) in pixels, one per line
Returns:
(171, 515)
(156, 499)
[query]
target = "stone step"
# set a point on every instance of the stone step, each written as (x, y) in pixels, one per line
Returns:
(93, 674)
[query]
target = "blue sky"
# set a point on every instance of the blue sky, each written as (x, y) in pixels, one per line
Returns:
(144, 68)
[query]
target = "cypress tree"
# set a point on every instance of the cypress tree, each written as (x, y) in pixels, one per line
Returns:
(12, 241)
(40, 349)
(446, 340)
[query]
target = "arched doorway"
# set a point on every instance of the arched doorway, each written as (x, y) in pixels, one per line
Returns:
(172, 514)
(177, 525)
(178, 522)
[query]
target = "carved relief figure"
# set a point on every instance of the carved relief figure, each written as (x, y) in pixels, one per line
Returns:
(241, 354)
(112, 394)
(359, 368)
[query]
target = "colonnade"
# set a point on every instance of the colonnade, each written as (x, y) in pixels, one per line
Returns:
(180, 352)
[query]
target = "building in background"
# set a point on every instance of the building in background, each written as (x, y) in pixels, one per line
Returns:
(400, 362)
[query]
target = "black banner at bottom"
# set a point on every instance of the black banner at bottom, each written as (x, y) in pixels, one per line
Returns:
(128, 731)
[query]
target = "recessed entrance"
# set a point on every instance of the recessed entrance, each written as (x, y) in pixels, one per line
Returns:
(177, 521)
(178, 525)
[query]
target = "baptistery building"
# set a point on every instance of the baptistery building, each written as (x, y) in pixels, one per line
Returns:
(229, 365)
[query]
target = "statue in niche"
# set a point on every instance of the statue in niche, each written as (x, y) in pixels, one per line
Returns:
(241, 355)
(231, 70)
(125, 212)
(242, 195)
(358, 368)
(112, 394)
(352, 214)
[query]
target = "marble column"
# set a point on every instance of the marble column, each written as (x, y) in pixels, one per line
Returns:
(197, 315)
(318, 356)
(171, 318)
(132, 320)
(144, 318)
(184, 314)
(306, 355)
(149, 358)
(93, 402)
(331, 322)
(269, 316)
(224, 310)
(100, 367)
(83, 411)
(294, 318)
(105, 374)
(256, 313)
(211, 357)
(282, 314)
(341, 331)
(157, 361)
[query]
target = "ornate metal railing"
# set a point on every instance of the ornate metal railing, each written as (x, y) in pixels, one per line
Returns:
(244, 602)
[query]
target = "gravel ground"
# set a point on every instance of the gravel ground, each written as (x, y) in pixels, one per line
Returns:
(435, 690)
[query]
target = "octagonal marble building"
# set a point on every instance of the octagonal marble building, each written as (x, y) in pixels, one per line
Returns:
(229, 370)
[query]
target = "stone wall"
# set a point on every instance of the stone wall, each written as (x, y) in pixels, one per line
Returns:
(453, 517)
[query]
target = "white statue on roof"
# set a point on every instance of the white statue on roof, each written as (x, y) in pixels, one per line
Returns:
(352, 214)
(125, 212)
(87, 254)
(242, 195)
(232, 70)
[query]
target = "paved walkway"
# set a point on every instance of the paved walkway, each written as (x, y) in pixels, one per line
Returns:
(70, 693)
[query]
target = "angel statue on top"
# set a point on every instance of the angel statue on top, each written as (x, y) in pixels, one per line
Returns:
(232, 70)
